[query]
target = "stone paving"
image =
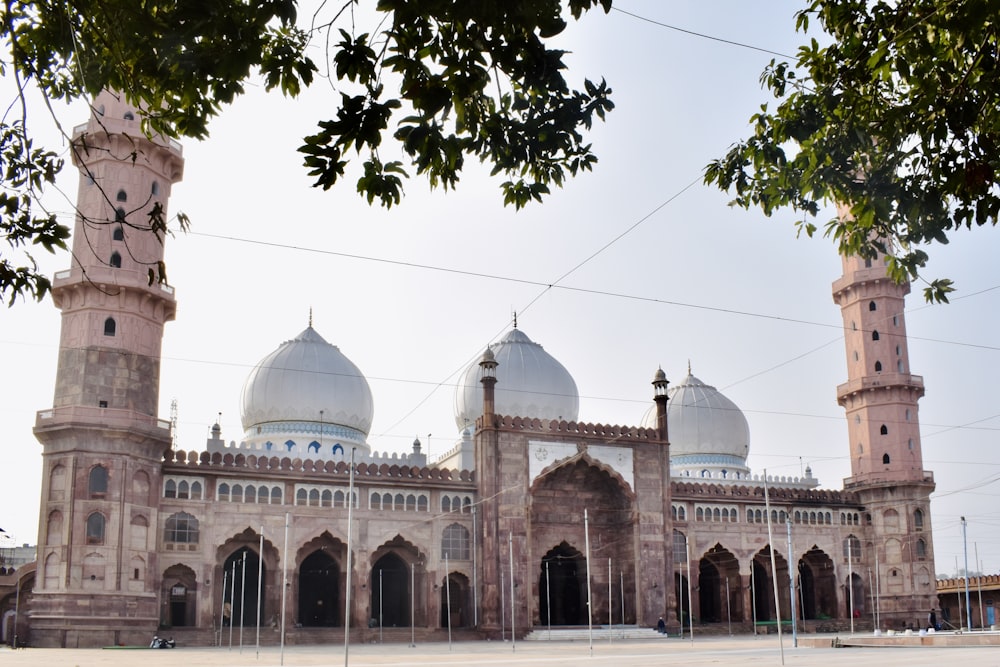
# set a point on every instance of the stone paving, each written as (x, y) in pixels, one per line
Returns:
(741, 651)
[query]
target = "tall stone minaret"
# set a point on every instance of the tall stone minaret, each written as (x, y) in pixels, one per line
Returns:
(102, 440)
(887, 473)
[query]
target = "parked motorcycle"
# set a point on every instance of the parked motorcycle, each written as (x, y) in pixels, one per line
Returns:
(159, 642)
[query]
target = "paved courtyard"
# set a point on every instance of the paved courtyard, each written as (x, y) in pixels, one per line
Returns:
(739, 651)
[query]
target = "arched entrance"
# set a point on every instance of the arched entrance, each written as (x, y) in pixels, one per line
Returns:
(455, 598)
(243, 586)
(682, 601)
(817, 585)
(763, 588)
(390, 592)
(180, 588)
(562, 587)
(855, 606)
(719, 587)
(319, 591)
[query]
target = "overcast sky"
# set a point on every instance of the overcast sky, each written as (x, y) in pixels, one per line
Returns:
(634, 266)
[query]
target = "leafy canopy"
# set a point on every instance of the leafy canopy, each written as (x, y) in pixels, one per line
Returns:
(443, 79)
(897, 119)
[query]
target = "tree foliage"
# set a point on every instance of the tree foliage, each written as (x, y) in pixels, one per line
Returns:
(442, 79)
(896, 119)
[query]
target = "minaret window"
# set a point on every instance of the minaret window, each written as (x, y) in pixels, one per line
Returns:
(878, 366)
(895, 320)
(855, 355)
(95, 528)
(921, 549)
(110, 327)
(119, 214)
(899, 366)
(116, 260)
(868, 263)
(875, 335)
(909, 444)
(918, 519)
(884, 430)
(155, 189)
(885, 459)
(129, 116)
(118, 234)
(121, 196)
(871, 306)
(907, 413)
(97, 485)
(861, 448)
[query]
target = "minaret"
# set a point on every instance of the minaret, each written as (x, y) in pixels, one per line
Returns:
(102, 440)
(887, 473)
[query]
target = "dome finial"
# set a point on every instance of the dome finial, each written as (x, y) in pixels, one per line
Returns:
(689, 367)
(515, 319)
(310, 317)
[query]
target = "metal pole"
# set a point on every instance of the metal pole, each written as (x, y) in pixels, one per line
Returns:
(260, 586)
(590, 620)
(729, 615)
(687, 549)
(791, 584)
(413, 595)
(621, 576)
(475, 572)
(503, 607)
(17, 608)
(871, 585)
(284, 586)
(243, 595)
(774, 571)
(850, 578)
(380, 605)
(232, 605)
(513, 606)
(753, 595)
(447, 592)
(222, 609)
(611, 621)
(350, 565)
(878, 591)
(968, 600)
(548, 598)
(979, 584)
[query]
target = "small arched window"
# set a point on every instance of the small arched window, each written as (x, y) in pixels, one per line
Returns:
(868, 263)
(883, 430)
(196, 491)
(129, 116)
(921, 549)
(97, 484)
(116, 260)
(95, 528)
(110, 327)
(119, 214)
(121, 196)
(878, 366)
(909, 444)
(875, 335)
(885, 459)
(223, 493)
(155, 188)
(170, 489)
(918, 519)
(899, 365)
(118, 234)
(872, 306)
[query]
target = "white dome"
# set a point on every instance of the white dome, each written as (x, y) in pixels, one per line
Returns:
(309, 381)
(530, 383)
(702, 422)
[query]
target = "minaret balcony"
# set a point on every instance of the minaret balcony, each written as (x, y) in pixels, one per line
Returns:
(110, 418)
(882, 380)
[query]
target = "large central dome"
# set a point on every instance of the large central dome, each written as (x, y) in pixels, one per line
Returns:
(306, 386)
(530, 383)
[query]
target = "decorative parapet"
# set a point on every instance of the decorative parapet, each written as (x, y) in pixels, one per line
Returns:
(680, 489)
(990, 582)
(631, 433)
(204, 461)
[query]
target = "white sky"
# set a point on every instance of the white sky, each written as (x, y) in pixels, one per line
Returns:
(689, 279)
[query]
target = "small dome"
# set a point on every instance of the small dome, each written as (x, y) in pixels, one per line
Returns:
(307, 380)
(701, 421)
(530, 383)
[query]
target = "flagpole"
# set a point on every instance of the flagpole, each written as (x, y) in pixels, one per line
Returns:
(347, 596)
(260, 586)
(284, 586)
(774, 571)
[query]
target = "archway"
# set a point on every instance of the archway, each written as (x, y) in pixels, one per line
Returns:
(390, 591)
(763, 587)
(682, 602)
(180, 593)
(855, 604)
(719, 586)
(817, 585)
(319, 591)
(243, 587)
(457, 585)
(562, 587)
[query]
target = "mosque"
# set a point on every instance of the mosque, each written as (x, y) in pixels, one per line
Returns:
(532, 518)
